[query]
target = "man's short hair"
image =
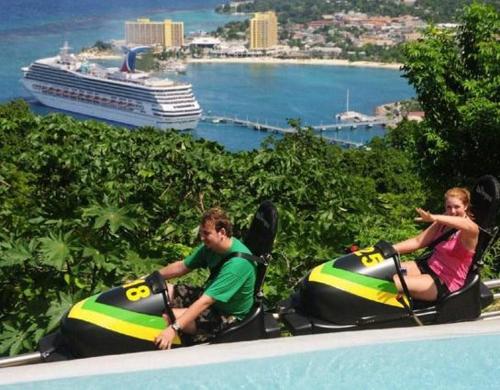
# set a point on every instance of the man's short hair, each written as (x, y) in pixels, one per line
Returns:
(219, 219)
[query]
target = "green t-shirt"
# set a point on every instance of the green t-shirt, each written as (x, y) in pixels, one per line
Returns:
(233, 288)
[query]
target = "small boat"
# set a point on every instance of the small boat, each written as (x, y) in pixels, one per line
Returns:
(352, 116)
(174, 66)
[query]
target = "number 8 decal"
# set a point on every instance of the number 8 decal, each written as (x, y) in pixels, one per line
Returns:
(136, 293)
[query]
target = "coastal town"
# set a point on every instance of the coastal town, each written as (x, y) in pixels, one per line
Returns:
(339, 39)
(345, 37)
(262, 42)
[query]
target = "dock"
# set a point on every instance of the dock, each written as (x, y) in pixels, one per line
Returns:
(375, 121)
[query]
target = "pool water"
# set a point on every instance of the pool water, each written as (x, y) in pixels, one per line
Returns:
(458, 363)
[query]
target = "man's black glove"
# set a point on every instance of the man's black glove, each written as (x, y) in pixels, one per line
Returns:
(155, 282)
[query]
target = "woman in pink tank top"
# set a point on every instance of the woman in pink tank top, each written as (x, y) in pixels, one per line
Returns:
(450, 261)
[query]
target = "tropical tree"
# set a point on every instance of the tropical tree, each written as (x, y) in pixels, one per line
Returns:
(85, 206)
(456, 75)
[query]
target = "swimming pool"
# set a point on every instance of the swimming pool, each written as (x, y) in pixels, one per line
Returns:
(457, 356)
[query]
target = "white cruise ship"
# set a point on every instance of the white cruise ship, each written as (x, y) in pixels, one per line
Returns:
(121, 95)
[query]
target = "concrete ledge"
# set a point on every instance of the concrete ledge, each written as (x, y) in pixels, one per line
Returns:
(206, 354)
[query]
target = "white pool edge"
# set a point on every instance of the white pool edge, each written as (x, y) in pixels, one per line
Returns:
(220, 353)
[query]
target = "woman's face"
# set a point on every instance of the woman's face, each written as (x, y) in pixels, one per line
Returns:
(455, 207)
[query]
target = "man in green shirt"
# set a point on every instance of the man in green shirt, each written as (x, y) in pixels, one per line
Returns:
(228, 294)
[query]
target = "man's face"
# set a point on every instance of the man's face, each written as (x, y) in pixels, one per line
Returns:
(210, 237)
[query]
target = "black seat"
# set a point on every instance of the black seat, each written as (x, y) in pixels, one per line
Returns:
(259, 239)
(485, 199)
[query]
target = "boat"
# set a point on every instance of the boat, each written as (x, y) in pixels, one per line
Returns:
(353, 116)
(156, 102)
(174, 66)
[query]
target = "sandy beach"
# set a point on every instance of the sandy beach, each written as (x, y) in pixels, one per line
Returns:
(91, 55)
(292, 61)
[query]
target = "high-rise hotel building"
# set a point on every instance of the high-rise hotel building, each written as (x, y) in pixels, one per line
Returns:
(263, 30)
(145, 32)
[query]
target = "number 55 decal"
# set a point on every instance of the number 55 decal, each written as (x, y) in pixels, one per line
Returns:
(369, 256)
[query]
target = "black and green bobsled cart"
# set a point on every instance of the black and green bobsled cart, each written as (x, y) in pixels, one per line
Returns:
(128, 318)
(353, 292)
(356, 291)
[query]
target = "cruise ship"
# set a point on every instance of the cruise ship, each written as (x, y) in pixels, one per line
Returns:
(122, 95)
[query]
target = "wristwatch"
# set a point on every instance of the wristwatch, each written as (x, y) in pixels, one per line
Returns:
(175, 326)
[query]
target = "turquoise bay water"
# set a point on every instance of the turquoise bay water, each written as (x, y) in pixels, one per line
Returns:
(264, 93)
(274, 93)
(458, 363)
(25, 39)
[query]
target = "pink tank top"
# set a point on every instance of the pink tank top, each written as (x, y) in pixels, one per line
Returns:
(451, 261)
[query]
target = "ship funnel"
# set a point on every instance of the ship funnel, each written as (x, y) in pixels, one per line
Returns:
(130, 55)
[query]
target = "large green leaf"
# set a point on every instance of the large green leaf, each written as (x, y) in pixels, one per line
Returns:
(115, 217)
(15, 253)
(56, 249)
(12, 338)
(57, 309)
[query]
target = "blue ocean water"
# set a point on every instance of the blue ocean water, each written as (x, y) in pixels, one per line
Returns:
(274, 93)
(458, 363)
(31, 29)
(265, 93)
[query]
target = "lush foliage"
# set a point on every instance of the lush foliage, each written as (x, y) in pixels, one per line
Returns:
(85, 206)
(234, 30)
(100, 46)
(300, 11)
(456, 75)
(375, 53)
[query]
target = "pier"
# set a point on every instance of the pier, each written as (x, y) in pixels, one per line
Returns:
(247, 123)
(216, 119)
(376, 121)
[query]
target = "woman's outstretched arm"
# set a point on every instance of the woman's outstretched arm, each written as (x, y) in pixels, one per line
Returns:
(469, 229)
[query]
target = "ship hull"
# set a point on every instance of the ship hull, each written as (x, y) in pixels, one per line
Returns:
(122, 95)
(112, 114)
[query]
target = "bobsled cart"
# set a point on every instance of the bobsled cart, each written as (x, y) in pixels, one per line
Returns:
(353, 292)
(128, 318)
(356, 291)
